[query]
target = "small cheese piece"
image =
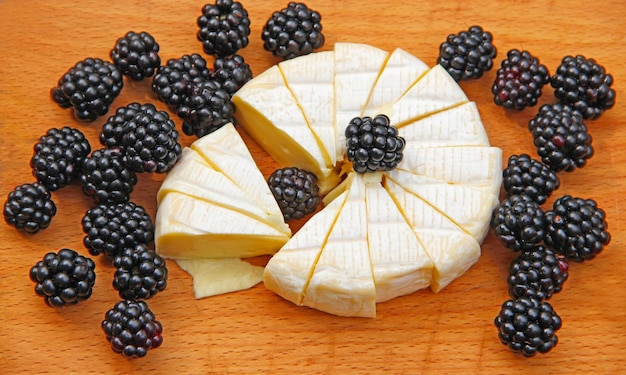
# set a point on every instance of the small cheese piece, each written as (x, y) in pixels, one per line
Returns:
(219, 276)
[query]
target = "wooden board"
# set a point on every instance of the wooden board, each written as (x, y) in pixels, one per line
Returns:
(255, 331)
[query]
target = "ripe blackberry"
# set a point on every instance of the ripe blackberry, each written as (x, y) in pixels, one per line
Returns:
(136, 55)
(111, 228)
(147, 137)
(525, 175)
(295, 190)
(171, 80)
(576, 228)
(132, 329)
(207, 107)
(224, 28)
(583, 84)
(537, 273)
(106, 178)
(528, 326)
(231, 72)
(518, 222)
(58, 156)
(519, 80)
(64, 278)
(29, 207)
(561, 137)
(293, 31)
(140, 272)
(89, 87)
(373, 145)
(468, 54)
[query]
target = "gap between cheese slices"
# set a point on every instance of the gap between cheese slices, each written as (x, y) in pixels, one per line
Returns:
(218, 276)
(187, 227)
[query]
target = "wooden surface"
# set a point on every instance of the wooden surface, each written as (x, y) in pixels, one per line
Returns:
(255, 331)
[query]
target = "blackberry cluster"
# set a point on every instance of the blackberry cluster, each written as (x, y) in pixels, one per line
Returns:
(29, 207)
(518, 222)
(561, 137)
(537, 273)
(525, 175)
(583, 84)
(207, 107)
(64, 278)
(295, 190)
(146, 136)
(528, 326)
(468, 54)
(132, 329)
(519, 80)
(293, 31)
(231, 72)
(89, 87)
(224, 28)
(576, 228)
(373, 144)
(58, 156)
(136, 55)
(106, 178)
(140, 272)
(111, 228)
(171, 80)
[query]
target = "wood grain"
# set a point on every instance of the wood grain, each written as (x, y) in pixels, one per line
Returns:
(255, 331)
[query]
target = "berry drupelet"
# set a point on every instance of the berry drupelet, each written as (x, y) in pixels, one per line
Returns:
(293, 31)
(561, 137)
(132, 329)
(372, 144)
(468, 54)
(583, 84)
(537, 273)
(136, 55)
(224, 28)
(58, 156)
(231, 72)
(295, 190)
(140, 272)
(207, 107)
(64, 278)
(576, 228)
(525, 175)
(528, 326)
(89, 87)
(111, 228)
(518, 222)
(29, 207)
(106, 178)
(519, 80)
(171, 80)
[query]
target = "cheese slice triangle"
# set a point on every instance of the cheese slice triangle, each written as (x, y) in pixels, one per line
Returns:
(218, 276)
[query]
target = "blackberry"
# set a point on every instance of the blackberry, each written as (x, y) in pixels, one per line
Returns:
(111, 228)
(136, 55)
(89, 87)
(224, 28)
(519, 80)
(518, 222)
(231, 72)
(64, 278)
(132, 329)
(171, 80)
(468, 54)
(106, 178)
(373, 144)
(561, 137)
(147, 137)
(293, 31)
(537, 273)
(58, 156)
(528, 326)
(577, 228)
(140, 272)
(295, 190)
(29, 207)
(583, 84)
(207, 107)
(525, 175)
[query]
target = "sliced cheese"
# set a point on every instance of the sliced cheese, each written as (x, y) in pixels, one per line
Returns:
(218, 276)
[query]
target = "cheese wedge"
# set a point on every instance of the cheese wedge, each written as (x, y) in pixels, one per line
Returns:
(219, 276)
